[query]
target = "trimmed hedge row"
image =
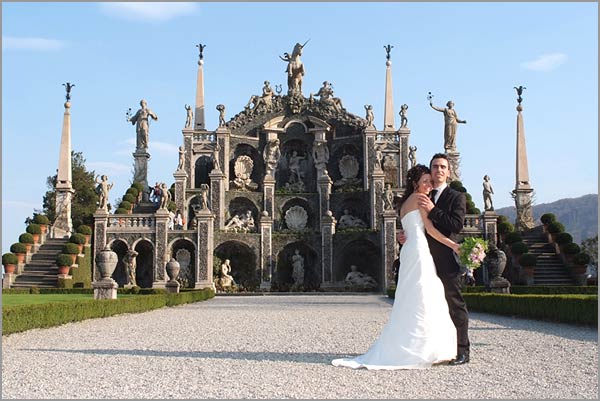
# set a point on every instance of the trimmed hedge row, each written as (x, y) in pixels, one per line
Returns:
(19, 318)
(580, 309)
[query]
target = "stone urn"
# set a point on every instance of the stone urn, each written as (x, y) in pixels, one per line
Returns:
(106, 260)
(173, 269)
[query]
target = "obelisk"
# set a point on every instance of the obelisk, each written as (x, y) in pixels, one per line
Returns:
(199, 122)
(388, 113)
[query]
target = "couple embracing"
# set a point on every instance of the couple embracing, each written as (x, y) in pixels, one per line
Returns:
(429, 321)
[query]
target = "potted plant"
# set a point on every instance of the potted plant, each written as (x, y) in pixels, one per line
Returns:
(20, 250)
(569, 251)
(528, 261)
(546, 219)
(130, 198)
(86, 231)
(78, 239)
(28, 240)
(9, 261)
(126, 205)
(505, 227)
(35, 230)
(72, 250)
(579, 267)
(554, 228)
(64, 263)
(42, 221)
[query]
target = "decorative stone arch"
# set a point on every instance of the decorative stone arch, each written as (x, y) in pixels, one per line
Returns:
(203, 165)
(251, 151)
(312, 267)
(144, 271)
(120, 247)
(244, 263)
(184, 250)
(363, 253)
(312, 221)
(339, 151)
(241, 204)
(356, 207)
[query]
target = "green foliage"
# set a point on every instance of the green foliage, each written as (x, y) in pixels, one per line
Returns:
(505, 227)
(70, 248)
(172, 206)
(40, 219)
(138, 185)
(571, 248)
(77, 239)
(502, 219)
(528, 259)
(554, 289)
(85, 199)
(82, 276)
(590, 246)
(125, 205)
(581, 259)
(121, 211)
(18, 247)
(564, 238)
(519, 248)
(129, 198)
(34, 229)
(133, 192)
(64, 260)
(512, 237)
(26, 238)
(547, 218)
(555, 227)
(85, 230)
(9, 259)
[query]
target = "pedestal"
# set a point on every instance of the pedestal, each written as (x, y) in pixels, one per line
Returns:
(105, 289)
(172, 287)
(269, 195)
(324, 183)
(140, 171)
(490, 222)
(180, 183)
(500, 285)
(100, 226)
(454, 162)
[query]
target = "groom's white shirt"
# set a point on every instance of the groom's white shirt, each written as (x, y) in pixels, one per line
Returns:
(439, 190)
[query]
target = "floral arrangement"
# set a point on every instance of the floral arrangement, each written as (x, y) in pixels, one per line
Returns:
(472, 253)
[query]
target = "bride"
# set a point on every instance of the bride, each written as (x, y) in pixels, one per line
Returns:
(419, 332)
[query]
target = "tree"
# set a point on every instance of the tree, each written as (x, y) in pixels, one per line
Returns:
(85, 200)
(590, 246)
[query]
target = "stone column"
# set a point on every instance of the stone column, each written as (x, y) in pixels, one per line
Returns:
(205, 241)
(140, 171)
(376, 201)
(454, 161)
(269, 195)
(161, 256)
(188, 167)
(180, 185)
(100, 226)
(403, 134)
(324, 183)
(490, 221)
(327, 232)
(266, 250)
(217, 197)
(223, 134)
(368, 150)
(388, 247)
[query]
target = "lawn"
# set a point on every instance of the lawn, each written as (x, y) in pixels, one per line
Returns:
(25, 299)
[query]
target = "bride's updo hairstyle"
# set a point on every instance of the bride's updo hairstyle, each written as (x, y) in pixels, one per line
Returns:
(412, 179)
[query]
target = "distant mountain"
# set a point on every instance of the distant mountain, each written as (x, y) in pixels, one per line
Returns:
(578, 215)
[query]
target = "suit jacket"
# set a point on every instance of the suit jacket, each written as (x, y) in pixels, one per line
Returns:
(448, 217)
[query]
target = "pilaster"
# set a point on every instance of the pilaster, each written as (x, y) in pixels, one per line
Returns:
(161, 256)
(388, 247)
(266, 250)
(205, 241)
(217, 197)
(327, 232)
(269, 195)
(375, 197)
(324, 182)
(222, 137)
(369, 139)
(180, 185)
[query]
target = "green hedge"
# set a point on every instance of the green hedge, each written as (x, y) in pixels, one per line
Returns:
(18, 318)
(82, 275)
(571, 308)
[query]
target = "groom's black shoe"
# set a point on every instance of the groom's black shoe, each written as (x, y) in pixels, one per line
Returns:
(461, 359)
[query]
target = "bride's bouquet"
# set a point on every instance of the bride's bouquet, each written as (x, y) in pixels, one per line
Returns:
(472, 253)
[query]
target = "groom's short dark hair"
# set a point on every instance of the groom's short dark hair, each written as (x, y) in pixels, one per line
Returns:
(439, 156)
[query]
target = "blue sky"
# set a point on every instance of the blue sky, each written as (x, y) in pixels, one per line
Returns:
(471, 53)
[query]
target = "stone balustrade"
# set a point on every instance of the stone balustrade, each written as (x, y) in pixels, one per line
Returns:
(120, 222)
(204, 137)
(472, 225)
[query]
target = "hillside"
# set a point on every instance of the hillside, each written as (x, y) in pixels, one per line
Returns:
(579, 215)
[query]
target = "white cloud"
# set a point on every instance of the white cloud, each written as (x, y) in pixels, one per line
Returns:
(546, 62)
(43, 44)
(149, 11)
(109, 168)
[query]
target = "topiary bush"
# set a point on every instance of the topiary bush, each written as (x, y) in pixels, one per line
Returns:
(129, 198)
(138, 185)
(581, 258)
(26, 238)
(528, 259)
(505, 227)
(513, 237)
(34, 229)
(555, 227)
(121, 211)
(571, 248)
(77, 238)
(41, 219)
(133, 192)
(547, 218)
(519, 248)
(70, 248)
(64, 260)
(564, 238)
(9, 259)
(18, 247)
(85, 230)
(125, 205)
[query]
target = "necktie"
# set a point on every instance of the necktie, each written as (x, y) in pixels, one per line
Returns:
(432, 195)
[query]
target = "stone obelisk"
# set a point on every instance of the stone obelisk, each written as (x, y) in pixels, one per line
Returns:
(63, 225)
(523, 191)
(388, 113)
(199, 122)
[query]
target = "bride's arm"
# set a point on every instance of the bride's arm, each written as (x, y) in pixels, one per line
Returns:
(431, 230)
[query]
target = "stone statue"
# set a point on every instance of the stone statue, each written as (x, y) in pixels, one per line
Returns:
(68, 86)
(370, 117)
(388, 50)
(296, 218)
(295, 182)
(349, 168)
(390, 169)
(320, 154)
(271, 155)
(226, 278)
(412, 155)
(241, 223)
(487, 193)
(325, 94)
(403, 118)
(298, 268)
(102, 191)
(221, 109)
(130, 265)
(388, 197)
(204, 188)
(215, 157)
(378, 157)
(165, 196)
(359, 279)
(200, 47)
(519, 93)
(295, 69)
(451, 122)
(189, 116)
(349, 221)
(181, 158)
(140, 118)
(265, 101)
(242, 168)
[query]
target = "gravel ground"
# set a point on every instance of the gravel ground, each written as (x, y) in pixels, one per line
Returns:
(280, 346)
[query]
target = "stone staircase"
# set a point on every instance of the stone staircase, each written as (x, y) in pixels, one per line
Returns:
(41, 271)
(550, 269)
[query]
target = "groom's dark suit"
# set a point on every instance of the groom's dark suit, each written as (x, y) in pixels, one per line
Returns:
(448, 217)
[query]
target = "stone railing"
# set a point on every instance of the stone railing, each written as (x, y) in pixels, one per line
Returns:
(388, 137)
(473, 225)
(136, 221)
(204, 137)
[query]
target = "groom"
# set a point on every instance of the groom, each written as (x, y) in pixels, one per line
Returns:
(447, 208)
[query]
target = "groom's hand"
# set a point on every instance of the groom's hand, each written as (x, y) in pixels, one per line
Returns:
(401, 237)
(424, 202)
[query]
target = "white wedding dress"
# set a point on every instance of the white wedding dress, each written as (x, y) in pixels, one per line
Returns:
(419, 331)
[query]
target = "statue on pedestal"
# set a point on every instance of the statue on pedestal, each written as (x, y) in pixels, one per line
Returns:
(102, 190)
(295, 69)
(189, 116)
(130, 265)
(298, 268)
(451, 122)
(271, 155)
(142, 128)
(487, 193)
(356, 278)
(320, 155)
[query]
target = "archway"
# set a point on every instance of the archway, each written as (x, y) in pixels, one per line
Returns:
(284, 280)
(144, 272)
(363, 254)
(243, 263)
(120, 247)
(203, 167)
(184, 251)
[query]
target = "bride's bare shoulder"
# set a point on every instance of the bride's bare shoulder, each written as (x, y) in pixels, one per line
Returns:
(409, 205)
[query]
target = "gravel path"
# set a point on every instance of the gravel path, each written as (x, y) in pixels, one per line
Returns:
(280, 346)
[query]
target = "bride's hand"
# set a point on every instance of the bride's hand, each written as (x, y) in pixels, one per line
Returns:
(456, 248)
